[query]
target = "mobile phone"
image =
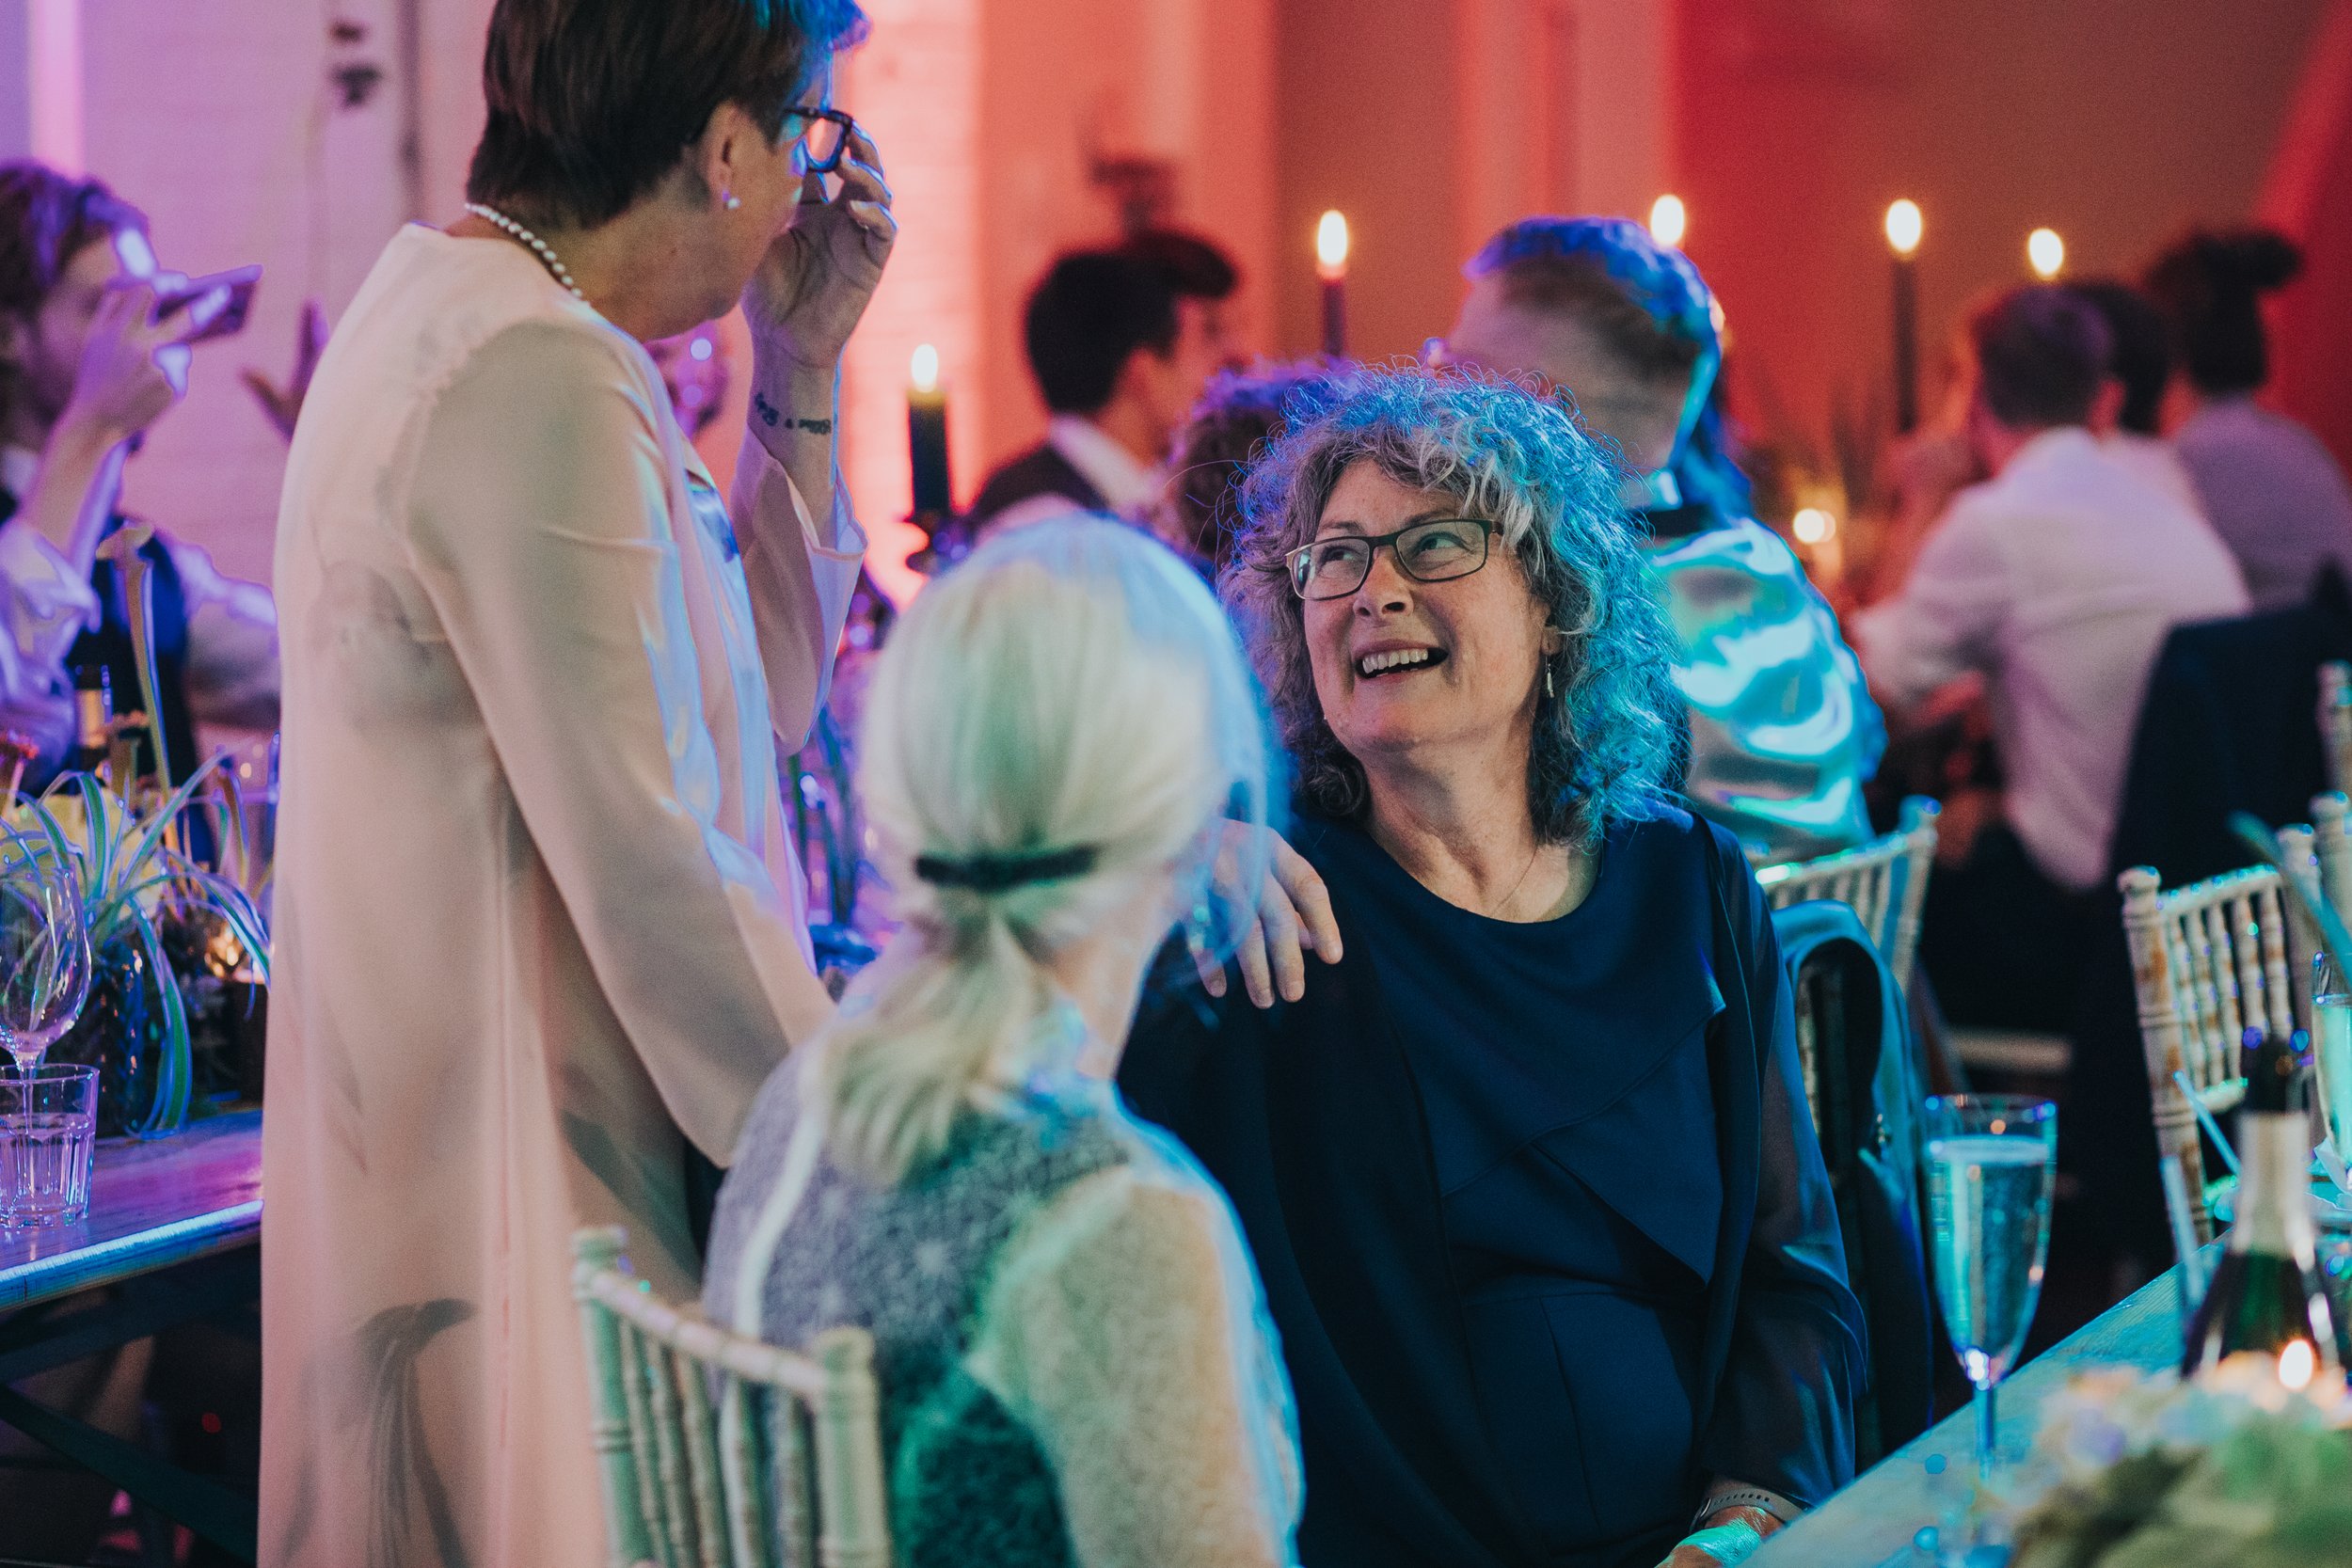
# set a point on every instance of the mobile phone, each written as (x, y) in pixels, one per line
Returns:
(220, 302)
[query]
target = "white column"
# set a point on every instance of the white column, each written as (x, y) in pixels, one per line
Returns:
(42, 81)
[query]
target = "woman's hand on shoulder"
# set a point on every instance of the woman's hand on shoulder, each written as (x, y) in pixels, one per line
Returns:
(1293, 917)
(815, 282)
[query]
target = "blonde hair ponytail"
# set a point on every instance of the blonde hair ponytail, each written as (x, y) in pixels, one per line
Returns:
(1063, 715)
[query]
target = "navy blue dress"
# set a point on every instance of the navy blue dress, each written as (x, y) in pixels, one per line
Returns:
(1540, 1216)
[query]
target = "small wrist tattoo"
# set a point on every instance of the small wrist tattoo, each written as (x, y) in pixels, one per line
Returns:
(774, 417)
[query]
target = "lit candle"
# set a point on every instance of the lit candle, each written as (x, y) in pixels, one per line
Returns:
(926, 436)
(2045, 253)
(1669, 220)
(1904, 228)
(1332, 267)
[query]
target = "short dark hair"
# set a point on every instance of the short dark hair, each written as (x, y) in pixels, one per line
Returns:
(592, 102)
(2041, 351)
(2139, 348)
(1574, 286)
(1195, 267)
(47, 218)
(2210, 286)
(1239, 413)
(1085, 316)
(1645, 301)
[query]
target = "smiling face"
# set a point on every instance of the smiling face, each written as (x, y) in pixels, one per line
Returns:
(1423, 675)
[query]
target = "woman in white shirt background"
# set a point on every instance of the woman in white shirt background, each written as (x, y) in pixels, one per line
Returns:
(85, 370)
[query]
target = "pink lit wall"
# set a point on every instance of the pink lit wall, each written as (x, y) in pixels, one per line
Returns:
(1800, 119)
(2309, 195)
(916, 86)
(254, 133)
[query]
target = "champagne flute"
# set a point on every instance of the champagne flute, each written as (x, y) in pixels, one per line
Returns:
(1991, 1161)
(44, 948)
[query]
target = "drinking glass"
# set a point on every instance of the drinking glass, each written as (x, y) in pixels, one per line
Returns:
(48, 1126)
(2332, 1051)
(1991, 1161)
(44, 946)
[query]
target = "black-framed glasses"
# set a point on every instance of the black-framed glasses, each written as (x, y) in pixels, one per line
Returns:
(1436, 549)
(824, 136)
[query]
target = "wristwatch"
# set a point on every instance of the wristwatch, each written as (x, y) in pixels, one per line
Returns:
(1746, 1496)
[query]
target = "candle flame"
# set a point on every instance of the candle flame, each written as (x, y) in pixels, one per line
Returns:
(1331, 246)
(925, 371)
(2045, 253)
(1904, 225)
(1669, 220)
(2297, 1363)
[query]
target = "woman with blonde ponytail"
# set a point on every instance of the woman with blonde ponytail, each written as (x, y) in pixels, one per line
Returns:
(1075, 1362)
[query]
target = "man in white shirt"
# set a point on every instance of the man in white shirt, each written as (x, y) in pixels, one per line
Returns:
(2055, 583)
(1121, 342)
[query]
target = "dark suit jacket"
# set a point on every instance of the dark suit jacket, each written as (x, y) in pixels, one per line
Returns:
(1302, 1112)
(1039, 471)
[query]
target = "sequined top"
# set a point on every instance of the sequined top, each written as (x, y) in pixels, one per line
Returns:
(1782, 730)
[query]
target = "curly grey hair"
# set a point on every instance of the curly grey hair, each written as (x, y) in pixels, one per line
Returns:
(1605, 747)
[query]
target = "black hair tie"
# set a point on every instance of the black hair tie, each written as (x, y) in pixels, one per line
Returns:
(996, 873)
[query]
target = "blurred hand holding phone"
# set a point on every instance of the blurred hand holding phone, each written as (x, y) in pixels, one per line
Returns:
(216, 304)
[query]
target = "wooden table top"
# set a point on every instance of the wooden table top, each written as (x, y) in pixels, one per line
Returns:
(1871, 1523)
(151, 1205)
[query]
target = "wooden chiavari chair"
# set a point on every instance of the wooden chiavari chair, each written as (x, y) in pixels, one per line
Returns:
(722, 1451)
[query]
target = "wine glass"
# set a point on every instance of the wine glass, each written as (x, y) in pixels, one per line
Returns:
(44, 947)
(1991, 1161)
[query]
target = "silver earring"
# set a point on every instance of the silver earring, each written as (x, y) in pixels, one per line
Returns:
(730, 202)
(1548, 691)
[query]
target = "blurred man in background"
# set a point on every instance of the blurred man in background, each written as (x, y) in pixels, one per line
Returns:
(1121, 342)
(2054, 582)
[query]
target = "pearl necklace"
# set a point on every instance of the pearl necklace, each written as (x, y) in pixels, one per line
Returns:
(539, 246)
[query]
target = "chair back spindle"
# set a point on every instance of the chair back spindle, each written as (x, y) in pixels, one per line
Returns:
(1885, 881)
(2335, 722)
(2209, 962)
(719, 1451)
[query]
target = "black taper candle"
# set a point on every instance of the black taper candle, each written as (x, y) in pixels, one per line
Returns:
(1906, 344)
(926, 451)
(1335, 317)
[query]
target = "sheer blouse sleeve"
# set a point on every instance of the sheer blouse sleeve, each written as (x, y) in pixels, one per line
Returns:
(542, 532)
(1124, 1327)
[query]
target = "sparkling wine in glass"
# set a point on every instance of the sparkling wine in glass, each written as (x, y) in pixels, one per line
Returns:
(1991, 1163)
(44, 947)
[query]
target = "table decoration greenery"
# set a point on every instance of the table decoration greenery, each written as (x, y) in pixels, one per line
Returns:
(143, 892)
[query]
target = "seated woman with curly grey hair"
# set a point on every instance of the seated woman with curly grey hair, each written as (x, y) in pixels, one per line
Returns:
(1528, 1173)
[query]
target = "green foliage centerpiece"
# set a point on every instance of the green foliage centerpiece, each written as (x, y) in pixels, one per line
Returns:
(138, 883)
(2233, 1469)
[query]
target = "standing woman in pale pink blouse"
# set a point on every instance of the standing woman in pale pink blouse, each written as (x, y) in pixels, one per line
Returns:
(539, 921)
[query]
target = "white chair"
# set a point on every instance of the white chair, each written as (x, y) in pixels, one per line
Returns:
(705, 1438)
(1886, 882)
(2208, 961)
(2335, 722)
(2331, 832)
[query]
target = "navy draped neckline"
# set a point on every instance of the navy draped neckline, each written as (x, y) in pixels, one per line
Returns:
(1534, 1037)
